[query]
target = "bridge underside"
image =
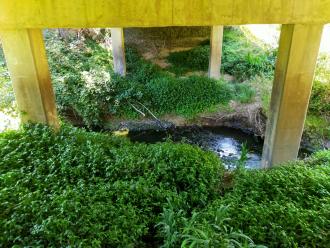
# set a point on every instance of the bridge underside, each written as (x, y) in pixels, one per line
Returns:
(156, 13)
(21, 24)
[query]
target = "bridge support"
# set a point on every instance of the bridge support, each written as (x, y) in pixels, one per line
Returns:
(216, 51)
(27, 64)
(297, 55)
(118, 50)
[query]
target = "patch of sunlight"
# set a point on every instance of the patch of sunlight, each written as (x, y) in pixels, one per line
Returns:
(8, 121)
(270, 34)
(325, 43)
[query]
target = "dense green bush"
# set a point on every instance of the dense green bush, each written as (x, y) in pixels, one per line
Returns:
(187, 96)
(241, 57)
(85, 189)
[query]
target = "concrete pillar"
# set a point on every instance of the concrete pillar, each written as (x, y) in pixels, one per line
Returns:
(216, 51)
(27, 64)
(297, 55)
(118, 50)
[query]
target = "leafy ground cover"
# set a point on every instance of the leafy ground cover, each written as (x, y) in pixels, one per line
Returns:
(78, 188)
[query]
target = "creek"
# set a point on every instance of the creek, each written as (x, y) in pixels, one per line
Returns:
(227, 143)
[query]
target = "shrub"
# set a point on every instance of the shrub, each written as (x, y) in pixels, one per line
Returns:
(76, 188)
(187, 96)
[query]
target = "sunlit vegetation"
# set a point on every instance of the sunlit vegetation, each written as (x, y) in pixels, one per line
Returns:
(8, 113)
(242, 58)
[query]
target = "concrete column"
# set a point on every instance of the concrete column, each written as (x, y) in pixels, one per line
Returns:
(297, 55)
(27, 64)
(118, 50)
(216, 51)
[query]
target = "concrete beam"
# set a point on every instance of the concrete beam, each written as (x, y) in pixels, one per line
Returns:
(27, 64)
(297, 55)
(118, 51)
(156, 13)
(215, 52)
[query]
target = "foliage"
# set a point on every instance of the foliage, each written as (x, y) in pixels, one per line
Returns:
(6, 92)
(84, 81)
(317, 126)
(317, 130)
(86, 85)
(288, 206)
(196, 59)
(202, 229)
(241, 57)
(244, 59)
(244, 92)
(320, 98)
(76, 188)
(187, 96)
(244, 156)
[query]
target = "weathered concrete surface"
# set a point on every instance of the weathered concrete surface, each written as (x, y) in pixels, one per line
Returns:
(216, 51)
(118, 51)
(153, 13)
(298, 50)
(27, 63)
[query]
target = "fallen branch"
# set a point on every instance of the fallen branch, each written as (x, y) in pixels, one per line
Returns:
(157, 120)
(136, 109)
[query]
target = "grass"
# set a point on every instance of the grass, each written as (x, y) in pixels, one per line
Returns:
(78, 188)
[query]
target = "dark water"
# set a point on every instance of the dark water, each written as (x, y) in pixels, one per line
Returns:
(225, 142)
